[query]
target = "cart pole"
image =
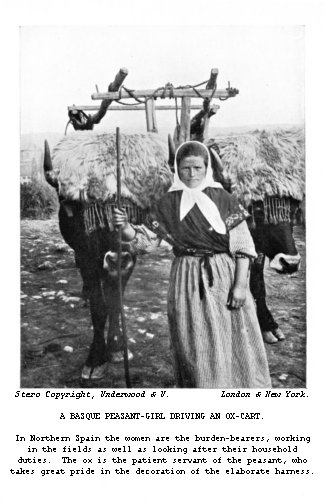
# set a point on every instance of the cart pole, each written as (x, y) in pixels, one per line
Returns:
(119, 262)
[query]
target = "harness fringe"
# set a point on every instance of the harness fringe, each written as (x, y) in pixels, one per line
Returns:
(276, 210)
(99, 215)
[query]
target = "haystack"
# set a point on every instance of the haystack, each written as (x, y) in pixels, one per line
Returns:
(262, 164)
(85, 165)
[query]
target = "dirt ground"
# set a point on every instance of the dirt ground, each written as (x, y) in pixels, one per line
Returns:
(56, 329)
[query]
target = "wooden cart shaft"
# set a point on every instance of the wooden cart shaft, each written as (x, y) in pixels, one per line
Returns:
(161, 93)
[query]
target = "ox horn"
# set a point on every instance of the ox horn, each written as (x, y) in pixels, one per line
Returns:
(172, 150)
(217, 159)
(48, 167)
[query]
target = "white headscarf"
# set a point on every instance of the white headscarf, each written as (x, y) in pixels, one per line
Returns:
(191, 196)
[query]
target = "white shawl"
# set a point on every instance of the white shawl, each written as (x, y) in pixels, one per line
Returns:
(190, 197)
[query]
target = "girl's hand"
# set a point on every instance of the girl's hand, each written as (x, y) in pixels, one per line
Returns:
(120, 221)
(237, 297)
(120, 218)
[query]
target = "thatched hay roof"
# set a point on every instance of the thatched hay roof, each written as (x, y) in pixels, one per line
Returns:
(87, 161)
(257, 164)
(264, 163)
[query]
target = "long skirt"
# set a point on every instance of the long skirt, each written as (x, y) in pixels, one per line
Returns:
(213, 346)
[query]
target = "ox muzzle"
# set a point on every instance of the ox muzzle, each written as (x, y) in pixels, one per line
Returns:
(111, 263)
(286, 264)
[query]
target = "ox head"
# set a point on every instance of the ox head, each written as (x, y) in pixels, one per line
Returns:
(282, 251)
(111, 263)
(274, 237)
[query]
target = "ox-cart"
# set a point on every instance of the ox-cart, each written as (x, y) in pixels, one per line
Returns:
(83, 171)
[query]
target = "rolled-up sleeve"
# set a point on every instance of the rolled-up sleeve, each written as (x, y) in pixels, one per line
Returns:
(145, 240)
(241, 242)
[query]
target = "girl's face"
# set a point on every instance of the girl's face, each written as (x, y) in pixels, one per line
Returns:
(192, 171)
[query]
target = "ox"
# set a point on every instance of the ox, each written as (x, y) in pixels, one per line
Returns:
(266, 171)
(83, 171)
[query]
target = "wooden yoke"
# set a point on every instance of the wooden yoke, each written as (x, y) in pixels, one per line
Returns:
(185, 129)
(212, 84)
(184, 133)
(133, 108)
(185, 93)
(158, 93)
(81, 121)
(151, 115)
(114, 86)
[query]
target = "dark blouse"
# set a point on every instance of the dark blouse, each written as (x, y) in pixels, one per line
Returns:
(194, 231)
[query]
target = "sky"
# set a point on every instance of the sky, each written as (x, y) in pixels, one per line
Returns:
(61, 65)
